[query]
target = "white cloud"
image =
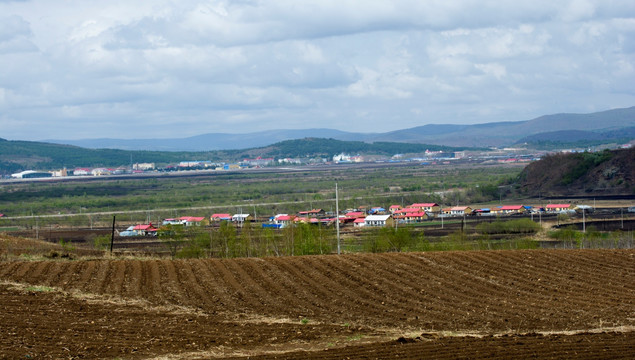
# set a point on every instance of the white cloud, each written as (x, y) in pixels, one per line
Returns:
(96, 67)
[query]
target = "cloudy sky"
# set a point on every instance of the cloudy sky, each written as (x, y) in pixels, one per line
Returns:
(164, 68)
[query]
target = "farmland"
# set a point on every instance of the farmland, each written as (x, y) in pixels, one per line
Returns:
(236, 293)
(478, 304)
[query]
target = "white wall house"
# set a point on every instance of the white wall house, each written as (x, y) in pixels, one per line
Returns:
(378, 220)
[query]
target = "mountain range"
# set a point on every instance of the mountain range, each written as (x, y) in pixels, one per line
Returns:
(562, 128)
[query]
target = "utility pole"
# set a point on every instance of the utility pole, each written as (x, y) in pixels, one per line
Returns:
(622, 212)
(337, 220)
(112, 237)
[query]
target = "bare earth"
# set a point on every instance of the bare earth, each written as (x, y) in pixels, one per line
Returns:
(559, 304)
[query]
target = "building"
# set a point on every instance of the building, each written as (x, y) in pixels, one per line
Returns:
(394, 208)
(31, 174)
(101, 172)
(359, 222)
(60, 173)
(221, 217)
(171, 222)
(355, 214)
(258, 162)
(511, 209)
(460, 210)
(145, 229)
(377, 211)
(378, 220)
(555, 208)
(191, 220)
(314, 212)
(427, 207)
(284, 220)
(414, 217)
(241, 218)
(143, 166)
(82, 171)
(341, 158)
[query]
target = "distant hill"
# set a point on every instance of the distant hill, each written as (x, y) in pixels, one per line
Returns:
(508, 133)
(479, 135)
(16, 156)
(606, 172)
(22, 155)
(214, 141)
(577, 138)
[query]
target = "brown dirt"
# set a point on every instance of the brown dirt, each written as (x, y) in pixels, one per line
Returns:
(356, 306)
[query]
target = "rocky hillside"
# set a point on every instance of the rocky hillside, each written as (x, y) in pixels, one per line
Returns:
(606, 173)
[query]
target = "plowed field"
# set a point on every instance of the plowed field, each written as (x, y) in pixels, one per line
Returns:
(506, 304)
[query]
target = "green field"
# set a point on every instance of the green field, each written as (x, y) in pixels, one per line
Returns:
(267, 193)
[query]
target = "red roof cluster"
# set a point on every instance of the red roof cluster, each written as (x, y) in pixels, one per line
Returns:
(147, 227)
(557, 206)
(191, 218)
(511, 207)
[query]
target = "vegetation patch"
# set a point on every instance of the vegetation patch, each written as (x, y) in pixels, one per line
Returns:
(516, 226)
(39, 288)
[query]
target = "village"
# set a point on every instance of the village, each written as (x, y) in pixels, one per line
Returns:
(362, 217)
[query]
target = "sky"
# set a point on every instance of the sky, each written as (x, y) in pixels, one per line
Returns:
(177, 68)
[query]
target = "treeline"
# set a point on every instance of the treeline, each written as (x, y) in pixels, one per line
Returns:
(328, 147)
(21, 155)
(229, 241)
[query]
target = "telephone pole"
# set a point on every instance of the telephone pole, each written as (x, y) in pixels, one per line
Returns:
(337, 220)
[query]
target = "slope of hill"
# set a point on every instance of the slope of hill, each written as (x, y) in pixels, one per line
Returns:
(606, 172)
(577, 138)
(507, 133)
(479, 135)
(21, 155)
(214, 141)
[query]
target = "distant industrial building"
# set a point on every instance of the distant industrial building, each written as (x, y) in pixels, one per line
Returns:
(31, 174)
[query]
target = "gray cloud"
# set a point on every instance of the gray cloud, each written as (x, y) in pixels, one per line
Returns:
(121, 69)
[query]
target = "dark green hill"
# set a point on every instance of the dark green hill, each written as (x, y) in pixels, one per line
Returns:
(606, 172)
(22, 155)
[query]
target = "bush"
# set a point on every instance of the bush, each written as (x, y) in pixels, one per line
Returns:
(516, 226)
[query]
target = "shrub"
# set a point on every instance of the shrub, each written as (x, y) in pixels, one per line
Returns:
(516, 226)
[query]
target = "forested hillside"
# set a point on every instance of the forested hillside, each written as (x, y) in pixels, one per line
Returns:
(607, 172)
(21, 155)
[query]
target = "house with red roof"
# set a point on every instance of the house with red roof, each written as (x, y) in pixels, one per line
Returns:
(413, 217)
(171, 222)
(394, 208)
(192, 220)
(284, 220)
(509, 209)
(427, 207)
(145, 229)
(355, 214)
(220, 217)
(406, 210)
(313, 212)
(554, 208)
(359, 222)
